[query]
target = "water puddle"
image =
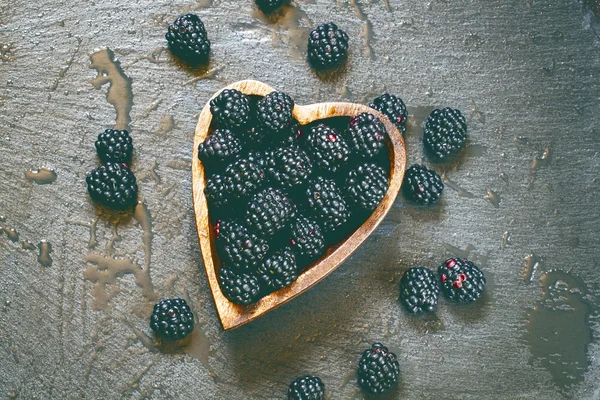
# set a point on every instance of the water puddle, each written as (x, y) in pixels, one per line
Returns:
(493, 197)
(44, 250)
(27, 245)
(542, 161)
(92, 227)
(531, 263)
(458, 189)
(7, 52)
(142, 215)
(367, 29)
(506, 237)
(41, 176)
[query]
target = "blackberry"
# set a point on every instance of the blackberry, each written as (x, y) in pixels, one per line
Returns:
(245, 178)
(327, 46)
(260, 158)
(172, 319)
(392, 107)
(289, 166)
(278, 270)
(366, 134)
(461, 280)
(421, 185)
(293, 136)
(114, 145)
(327, 148)
(366, 186)
(239, 287)
(255, 136)
(188, 40)
(112, 185)
(306, 238)
(217, 190)
(307, 388)
(231, 108)
(268, 6)
(274, 111)
(219, 146)
(445, 133)
(327, 204)
(269, 211)
(238, 246)
(378, 369)
(419, 290)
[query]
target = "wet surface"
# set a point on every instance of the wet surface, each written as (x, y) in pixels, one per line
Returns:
(78, 282)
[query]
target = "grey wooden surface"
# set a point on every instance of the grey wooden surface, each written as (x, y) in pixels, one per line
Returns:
(518, 69)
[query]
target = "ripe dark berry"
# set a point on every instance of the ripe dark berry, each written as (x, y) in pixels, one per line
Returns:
(244, 177)
(113, 185)
(114, 145)
(327, 46)
(445, 133)
(366, 135)
(217, 190)
(366, 186)
(188, 40)
(274, 111)
(327, 204)
(219, 146)
(307, 388)
(392, 107)
(231, 108)
(240, 248)
(289, 166)
(327, 148)
(278, 270)
(461, 280)
(378, 369)
(422, 185)
(268, 6)
(419, 290)
(306, 238)
(172, 319)
(269, 211)
(239, 287)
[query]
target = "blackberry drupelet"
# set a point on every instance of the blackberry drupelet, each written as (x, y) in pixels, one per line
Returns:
(274, 111)
(114, 145)
(461, 280)
(244, 177)
(239, 247)
(231, 108)
(260, 158)
(268, 6)
(289, 166)
(419, 290)
(327, 204)
(366, 186)
(217, 190)
(172, 319)
(219, 146)
(278, 270)
(366, 134)
(188, 40)
(392, 107)
(378, 369)
(269, 211)
(307, 388)
(327, 148)
(327, 46)
(306, 238)
(422, 185)
(239, 287)
(113, 185)
(445, 133)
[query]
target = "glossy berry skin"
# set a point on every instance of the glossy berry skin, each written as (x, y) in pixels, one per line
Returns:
(289, 166)
(274, 112)
(231, 108)
(238, 247)
(327, 148)
(445, 133)
(269, 211)
(188, 40)
(366, 186)
(244, 178)
(366, 135)
(327, 204)
(240, 287)
(278, 270)
(306, 238)
(172, 319)
(113, 185)
(422, 185)
(392, 107)
(327, 46)
(114, 145)
(419, 290)
(219, 147)
(269, 6)
(378, 369)
(461, 280)
(307, 388)
(217, 191)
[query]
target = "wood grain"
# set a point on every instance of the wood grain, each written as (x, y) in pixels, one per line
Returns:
(232, 315)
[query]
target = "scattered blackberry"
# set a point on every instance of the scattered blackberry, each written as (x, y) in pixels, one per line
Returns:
(366, 134)
(327, 46)
(289, 166)
(245, 178)
(269, 211)
(274, 111)
(114, 145)
(239, 287)
(378, 369)
(221, 145)
(240, 247)
(112, 185)
(187, 39)
(268, 6)
(306, 238)
(327, 148)
(366, 186)
(172, 319)
(279, 269)
(392, 107)
(327, 204)
(422, 185)
(445, 132)
(231, 108)
(419, 290)
(461, 280)
(307, 388)
(217, 190)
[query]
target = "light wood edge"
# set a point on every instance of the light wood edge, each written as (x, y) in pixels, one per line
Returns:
(233, 316)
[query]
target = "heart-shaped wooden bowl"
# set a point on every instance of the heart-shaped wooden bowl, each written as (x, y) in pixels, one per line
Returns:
(233, 315)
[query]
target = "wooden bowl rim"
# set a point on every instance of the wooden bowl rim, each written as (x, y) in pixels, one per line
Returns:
(233, 316)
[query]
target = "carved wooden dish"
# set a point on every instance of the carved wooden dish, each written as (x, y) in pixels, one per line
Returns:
(232, 315)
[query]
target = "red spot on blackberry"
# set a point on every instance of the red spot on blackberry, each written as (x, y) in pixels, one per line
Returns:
(462, 277)
(217, 228)
(444, 278)
(171, 313)
(298, 134)
(450, 263)
(378, 137)
(332, 137)
(457, 284)
(292, 242)
(400, 119)
(124, 165)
